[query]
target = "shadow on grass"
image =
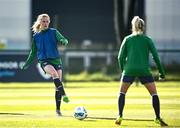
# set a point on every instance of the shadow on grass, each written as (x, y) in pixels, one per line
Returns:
(111, 118)
(16, 114)
(129, 119)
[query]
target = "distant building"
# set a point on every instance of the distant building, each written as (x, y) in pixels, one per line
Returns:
(15, 21)
(163, 18)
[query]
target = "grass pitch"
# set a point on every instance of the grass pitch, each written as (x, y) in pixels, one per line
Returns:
(31, 105)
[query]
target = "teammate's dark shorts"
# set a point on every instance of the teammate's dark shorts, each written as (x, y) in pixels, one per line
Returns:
(44, 63)
(143, 79)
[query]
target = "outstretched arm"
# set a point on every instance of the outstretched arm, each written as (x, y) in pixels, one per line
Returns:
(61, 38)
(157, 60)
(122, 55)
(31, 56)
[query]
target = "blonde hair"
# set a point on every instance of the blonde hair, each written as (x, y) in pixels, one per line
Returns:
(36, 25)
(137, 25)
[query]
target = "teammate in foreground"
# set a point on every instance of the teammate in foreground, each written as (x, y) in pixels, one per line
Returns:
(45, 44)
(133, 60)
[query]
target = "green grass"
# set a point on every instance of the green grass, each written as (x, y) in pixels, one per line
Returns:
(102, 76)
(31, 105)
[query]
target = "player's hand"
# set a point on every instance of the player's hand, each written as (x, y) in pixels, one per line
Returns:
(23, 67)
(161, 77)
(64, 41)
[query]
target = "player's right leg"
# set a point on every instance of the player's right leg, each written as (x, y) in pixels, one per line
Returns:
(57, 81)
(58, 102)
(59, 89)
(118, 120)
(160, 122)
(155, 102)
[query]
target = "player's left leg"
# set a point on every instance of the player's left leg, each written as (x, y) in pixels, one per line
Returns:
(65, 98)
(126, 81)
(121, 102)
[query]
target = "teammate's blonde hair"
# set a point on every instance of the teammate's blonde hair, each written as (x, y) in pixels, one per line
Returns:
(137, 25)
(36, 25)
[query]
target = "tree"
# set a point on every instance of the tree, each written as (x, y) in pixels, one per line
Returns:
(125, 10)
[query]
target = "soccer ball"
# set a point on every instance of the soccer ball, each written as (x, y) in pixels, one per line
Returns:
(80, 113)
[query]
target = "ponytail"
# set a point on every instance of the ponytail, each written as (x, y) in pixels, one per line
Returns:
(137, 25)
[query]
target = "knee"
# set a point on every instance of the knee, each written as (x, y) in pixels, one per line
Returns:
(54, 74)
(124, 88)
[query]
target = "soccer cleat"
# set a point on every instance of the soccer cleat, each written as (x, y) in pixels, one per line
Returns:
(58, 113)
(118, 120)
(65, 99)
(160, 121)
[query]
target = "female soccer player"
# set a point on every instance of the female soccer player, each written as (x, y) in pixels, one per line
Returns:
(45, 45)
(133, 59)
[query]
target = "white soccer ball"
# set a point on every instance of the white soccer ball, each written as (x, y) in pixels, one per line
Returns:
(80, 113)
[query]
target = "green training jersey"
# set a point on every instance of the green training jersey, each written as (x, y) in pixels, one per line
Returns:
(33, 50)
(133, 57)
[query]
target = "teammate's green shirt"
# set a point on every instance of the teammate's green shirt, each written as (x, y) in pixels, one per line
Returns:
(33, 51)
(133, 57)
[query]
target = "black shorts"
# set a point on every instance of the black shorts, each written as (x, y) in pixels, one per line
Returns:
(143, 79)
(44, 63)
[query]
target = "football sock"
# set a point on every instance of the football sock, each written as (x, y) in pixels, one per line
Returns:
(58, 99)
(156, 105)
(59, 86)
(121, 103)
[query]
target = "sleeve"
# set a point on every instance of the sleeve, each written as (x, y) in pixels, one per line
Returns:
(122, 55)
(31, 56)
(60, 38)
(156, 59)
